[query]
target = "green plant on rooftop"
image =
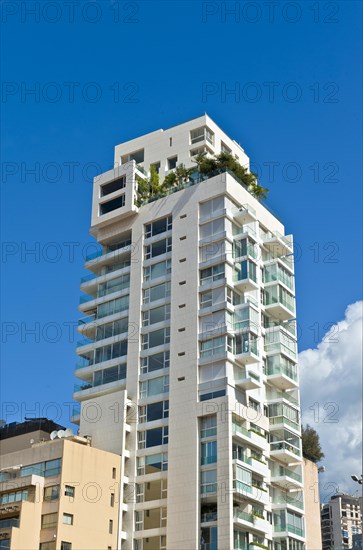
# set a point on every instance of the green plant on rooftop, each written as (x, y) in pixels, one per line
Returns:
(208, 165)
(179, 176)
(311, 447)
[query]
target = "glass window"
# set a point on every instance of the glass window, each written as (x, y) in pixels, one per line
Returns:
(211, 347)
(51, 493)
(208, 426)
(212, 274)
(111, 205)
(208, 452)
(113, 186)
(212, 228)
(211, 207)
(155, 362)
(156, 338)
(69, 491)
(68, 519)
(154, 386)
(172, 162)
(160, 269)
(51, 545)
(158, 227)
(49, 521)
(156, 249)
(208, 481)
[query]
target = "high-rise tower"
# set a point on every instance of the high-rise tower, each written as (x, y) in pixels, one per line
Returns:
(189, 362)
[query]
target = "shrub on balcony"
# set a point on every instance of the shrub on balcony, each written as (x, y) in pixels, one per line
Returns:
(208, 165)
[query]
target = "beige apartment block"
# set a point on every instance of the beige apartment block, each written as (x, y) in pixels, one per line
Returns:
(59, 494)
(188, 363)
(341, 522)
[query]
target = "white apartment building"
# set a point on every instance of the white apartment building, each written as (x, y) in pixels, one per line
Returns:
(189, 356)
(341, 522)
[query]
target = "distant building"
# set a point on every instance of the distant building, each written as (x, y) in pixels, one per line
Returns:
(341, 523)
(312, 505)
(59, 494)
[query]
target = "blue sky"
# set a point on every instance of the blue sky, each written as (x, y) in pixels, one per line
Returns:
(111, 71)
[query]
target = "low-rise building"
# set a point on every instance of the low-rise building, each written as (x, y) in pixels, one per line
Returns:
(59, 494)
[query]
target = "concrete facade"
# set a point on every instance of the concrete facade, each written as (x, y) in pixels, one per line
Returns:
(189, 362)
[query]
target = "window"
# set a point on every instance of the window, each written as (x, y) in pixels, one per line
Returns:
(225, 148)
(212, 207)
(153, 437)
(112, 329)
(155, 386)
(212, 274)
(114, 285)
(68, 519)
(156, 315)
(113, 186)
(211, 228)
(157, 292)
(158, 227)
(247, 271)
(113, 473)
(212, 372)
(201, 134)
(208, 481)
(111, 205)
(215, 346)
(69, 491)
(51, 545)
(112, 499)
(66, 545)
(212, 395)
(155, 362)
(51, 493)
(110, 526)
(155, 338)
(212, 297)
(156, 249)
(160, 269)
(105, 353)
(171, 163)
(113, 306)
(154, 411)
(112, 374)
(208, 426)
(17, 496)
(213, 251)
(49, 521)
(151, 464)
(137, 156)
(208, 453)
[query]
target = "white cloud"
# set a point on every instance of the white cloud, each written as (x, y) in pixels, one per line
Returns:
(331, 400)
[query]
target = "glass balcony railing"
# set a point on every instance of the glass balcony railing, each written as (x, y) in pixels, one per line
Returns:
(274, 395)
(209, 516)
(241, 487)
(88, 277)
(246, 346)
(76, 410)
(282, 472)
(290, 372)
(236, 429)
(93, 255)
(208, 459)
(238, 514)
(274, 420)
(293, 529)
(117, 248)
(85, 320)
(284, 446)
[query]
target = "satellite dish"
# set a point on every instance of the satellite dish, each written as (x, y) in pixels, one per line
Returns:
(68, 432)
(60, 433)
(54, 435)
(32, 441)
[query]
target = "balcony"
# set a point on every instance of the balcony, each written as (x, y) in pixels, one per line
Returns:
(275, 272)
(286, 478)
(252, 521)
(256, 465)
(108, 253)
(257, 494)
(280, 396)
(278, 341)
(282, 377)
(278, 244)
(250, 436)
(279, 303)
(286, 530)
(281, 422)
(245, 351)
(208, 517)
(285, 452)
(248, 381)
(245, 279)
(244, 215)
